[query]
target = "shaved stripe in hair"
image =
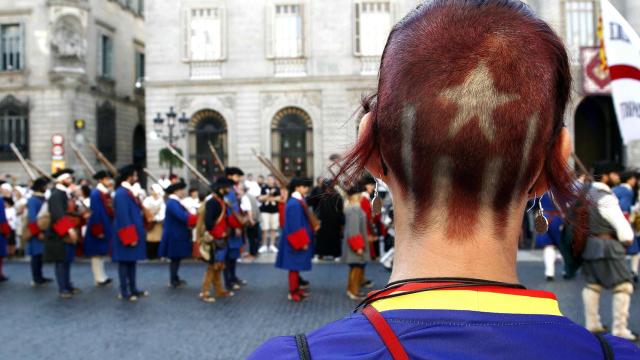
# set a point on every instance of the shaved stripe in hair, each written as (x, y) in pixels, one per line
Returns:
(532, 130)
(442, 173)
(408, 129)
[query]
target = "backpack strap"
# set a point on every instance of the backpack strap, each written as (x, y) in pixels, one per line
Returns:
(384, 330)
(303, 347)
(606, 347)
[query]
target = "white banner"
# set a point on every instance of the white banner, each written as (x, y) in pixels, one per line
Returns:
(622, 47)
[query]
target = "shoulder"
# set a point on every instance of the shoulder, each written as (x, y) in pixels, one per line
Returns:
(623, 349)
(350, 337)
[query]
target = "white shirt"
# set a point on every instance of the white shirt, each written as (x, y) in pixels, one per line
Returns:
(254, 188)
(245, 203)
(609, 208)
(297, 195)
(192, 204)
(156, 206)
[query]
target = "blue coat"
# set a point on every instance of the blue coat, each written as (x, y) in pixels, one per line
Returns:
(294, 220)
(128, 220)
(176, 240)
(3, 225)
(235, 242)
(35, 246)
(625, 197)
(100, 223)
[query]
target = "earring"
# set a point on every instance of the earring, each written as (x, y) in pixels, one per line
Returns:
(541, 222)
(376, 202)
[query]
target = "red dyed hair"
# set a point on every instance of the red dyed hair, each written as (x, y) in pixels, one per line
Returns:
(425, 85)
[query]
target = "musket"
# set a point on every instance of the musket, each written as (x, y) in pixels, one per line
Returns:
(87, 167)
(39, 170)
(193, 170)
(581, 166)
(26, 167)
(153, 178)
(282, 179)
(103, 159)
(216, 158)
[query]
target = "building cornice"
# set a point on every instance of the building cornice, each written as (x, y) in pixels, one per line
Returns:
(16, 11)
(369, 80)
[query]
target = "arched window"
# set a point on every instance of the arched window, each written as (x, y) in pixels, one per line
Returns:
(106, 130)
(14, 127)
(292, 142)
(208, 126)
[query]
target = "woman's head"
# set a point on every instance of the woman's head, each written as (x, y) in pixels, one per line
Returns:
(468, 116)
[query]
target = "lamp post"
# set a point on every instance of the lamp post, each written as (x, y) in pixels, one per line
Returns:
(158, 127)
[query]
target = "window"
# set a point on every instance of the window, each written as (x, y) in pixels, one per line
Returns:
(205, 35)
(105, 57)
(288, 32)
(292, 142)
(372, 26)
(580, 25)
(106, 130)
(209, 126)
(139, 66)
(14, 127)
(11, 47)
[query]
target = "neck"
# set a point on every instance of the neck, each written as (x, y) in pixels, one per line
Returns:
(434, 253)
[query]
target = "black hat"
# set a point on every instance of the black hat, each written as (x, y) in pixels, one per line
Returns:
(368, 180)
(175, 187)
(606, 167)
(233, 171)
(102, 174)
(127, 171)
(295, 182)
(58, 175)
(221, 182)
(39, 184)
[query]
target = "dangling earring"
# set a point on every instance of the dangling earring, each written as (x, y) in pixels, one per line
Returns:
(376, 203)
(541, 222)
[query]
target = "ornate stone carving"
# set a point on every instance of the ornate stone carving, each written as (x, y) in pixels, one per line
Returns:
(68, 43)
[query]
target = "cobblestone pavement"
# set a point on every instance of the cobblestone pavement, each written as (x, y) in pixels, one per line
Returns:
(174, 324)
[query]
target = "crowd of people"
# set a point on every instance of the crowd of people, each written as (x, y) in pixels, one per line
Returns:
(238, 219)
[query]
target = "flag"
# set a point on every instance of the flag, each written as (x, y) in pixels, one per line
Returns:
(622, 48)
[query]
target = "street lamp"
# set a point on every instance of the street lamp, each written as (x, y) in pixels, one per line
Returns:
(158, 127)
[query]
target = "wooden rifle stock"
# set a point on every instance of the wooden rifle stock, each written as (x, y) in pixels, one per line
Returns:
(26, 167)
(103, 159)
(216, 158)
(85, 163)
(39, 170)
(193, 170)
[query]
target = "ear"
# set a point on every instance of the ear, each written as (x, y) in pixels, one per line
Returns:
(374, 162)
(565, 143)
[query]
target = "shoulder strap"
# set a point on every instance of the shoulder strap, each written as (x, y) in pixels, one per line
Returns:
(303, 347)
(384, 330)
(606, 347)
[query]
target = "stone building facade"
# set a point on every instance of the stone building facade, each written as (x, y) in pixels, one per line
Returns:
(68, 60)
(284, 77)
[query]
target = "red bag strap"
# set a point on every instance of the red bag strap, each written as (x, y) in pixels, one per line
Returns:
(386, 333)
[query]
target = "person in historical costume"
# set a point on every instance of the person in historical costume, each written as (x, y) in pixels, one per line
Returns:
(129, 242)
(296, 247)
(550, 240)
(463, 136)
(5, 231)
(626, 193)
(212, 235)
(236, 223)
(330, 212)
(355, 248)
(156, 208)
(604, 256)
(35, 244)
(63, 235)
(176, 243)
(99, 235)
